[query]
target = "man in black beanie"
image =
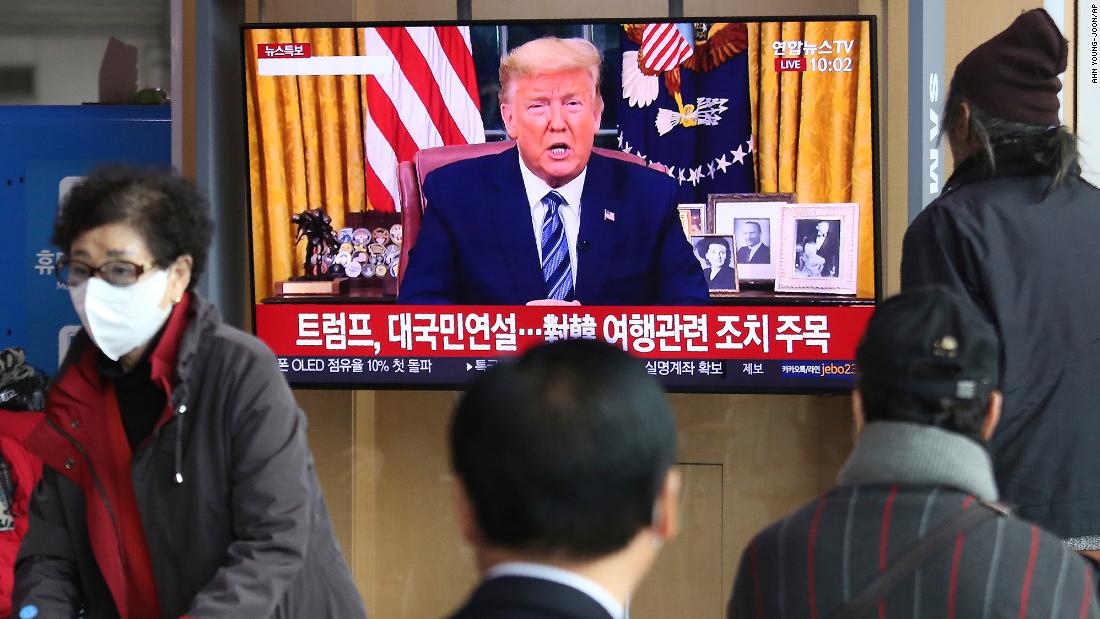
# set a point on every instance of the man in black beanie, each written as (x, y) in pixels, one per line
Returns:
(1015, 229)
(911, 529)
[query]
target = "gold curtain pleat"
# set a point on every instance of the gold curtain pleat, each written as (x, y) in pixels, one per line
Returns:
(812, 129)
(305, 144)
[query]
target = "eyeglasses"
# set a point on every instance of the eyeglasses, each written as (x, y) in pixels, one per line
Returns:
(119, 273)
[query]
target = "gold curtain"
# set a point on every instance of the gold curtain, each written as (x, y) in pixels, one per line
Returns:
(812, 129)
(305, 145)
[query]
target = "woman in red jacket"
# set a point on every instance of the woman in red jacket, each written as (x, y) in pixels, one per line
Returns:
(178, 481)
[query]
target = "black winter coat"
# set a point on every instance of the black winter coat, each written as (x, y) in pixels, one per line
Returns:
(1031, 261)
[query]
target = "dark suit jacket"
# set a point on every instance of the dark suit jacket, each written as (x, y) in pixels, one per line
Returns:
(763, 255)
(517, 597)
(723, 280)
(476, 244)
(830, 251)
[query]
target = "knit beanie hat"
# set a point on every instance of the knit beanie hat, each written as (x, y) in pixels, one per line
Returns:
(1014, 75)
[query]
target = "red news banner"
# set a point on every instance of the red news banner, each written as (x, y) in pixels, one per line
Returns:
(743, 333)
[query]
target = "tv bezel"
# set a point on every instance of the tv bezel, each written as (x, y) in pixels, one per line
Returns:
(876, 206)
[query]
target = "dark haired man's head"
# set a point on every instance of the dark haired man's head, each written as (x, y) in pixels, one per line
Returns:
(166, 210)
(565, 455)
(930, 357)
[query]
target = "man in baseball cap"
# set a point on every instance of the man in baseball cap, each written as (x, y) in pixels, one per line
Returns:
(912, 528)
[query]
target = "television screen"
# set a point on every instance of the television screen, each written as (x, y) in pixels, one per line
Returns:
(702, 194)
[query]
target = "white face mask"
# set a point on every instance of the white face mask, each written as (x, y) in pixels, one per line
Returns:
(121, 319)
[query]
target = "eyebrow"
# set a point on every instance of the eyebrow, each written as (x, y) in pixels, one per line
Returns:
(111, 253)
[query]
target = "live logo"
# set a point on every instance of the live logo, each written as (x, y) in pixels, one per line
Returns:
(790, 64)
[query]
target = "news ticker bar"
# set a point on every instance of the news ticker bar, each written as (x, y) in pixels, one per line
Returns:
(704, 375)
(776, 333)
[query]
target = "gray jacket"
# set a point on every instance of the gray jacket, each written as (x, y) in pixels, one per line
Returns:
(232, 511)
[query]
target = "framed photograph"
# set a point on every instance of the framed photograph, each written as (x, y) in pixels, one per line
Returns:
(721, 207)
(818, 248)
(693, 219)
(752, 219)
(716, 258)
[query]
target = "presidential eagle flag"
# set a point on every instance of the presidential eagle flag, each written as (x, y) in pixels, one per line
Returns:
(685, 104)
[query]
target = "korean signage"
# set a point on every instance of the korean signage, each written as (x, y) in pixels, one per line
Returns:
(927, 92)
(57, 146)
(692, 348)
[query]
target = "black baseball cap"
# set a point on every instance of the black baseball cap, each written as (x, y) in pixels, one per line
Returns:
(932, 344)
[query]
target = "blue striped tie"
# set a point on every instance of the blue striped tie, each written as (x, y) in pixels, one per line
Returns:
(555, 251)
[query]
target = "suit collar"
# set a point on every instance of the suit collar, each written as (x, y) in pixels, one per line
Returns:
(537, 188)
(522, 596)
(510, 227)
(595, 241)
(564, 577)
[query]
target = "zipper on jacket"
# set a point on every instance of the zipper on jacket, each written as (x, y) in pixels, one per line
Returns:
(178, 456)
(95, 480)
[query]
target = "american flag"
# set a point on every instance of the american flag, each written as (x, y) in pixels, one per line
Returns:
(429, 98)
(664, 47)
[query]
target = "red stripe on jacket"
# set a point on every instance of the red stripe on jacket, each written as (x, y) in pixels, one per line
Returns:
(884, 538)
(1086, 597)
(1033, 553)
(811, 575)
(956, 559)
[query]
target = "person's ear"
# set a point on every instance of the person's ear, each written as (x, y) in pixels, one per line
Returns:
(858, 420)
(962, 125)
(666, 510)
(464, 514)
(507, 114)
(992, 414)
(179, 278)
(958, 135)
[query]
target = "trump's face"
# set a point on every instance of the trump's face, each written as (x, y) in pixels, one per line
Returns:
(553, 118)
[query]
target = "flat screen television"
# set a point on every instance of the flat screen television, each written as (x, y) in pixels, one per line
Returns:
(396, 234)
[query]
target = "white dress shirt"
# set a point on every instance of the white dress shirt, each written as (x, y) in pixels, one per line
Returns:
(752, 250)
(562, 577)
(570, 212)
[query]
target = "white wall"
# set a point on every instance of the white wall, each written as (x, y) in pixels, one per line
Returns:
(66, 66)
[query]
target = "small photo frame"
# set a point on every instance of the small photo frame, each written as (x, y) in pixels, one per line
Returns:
(693, 219)
(715, 255)
(753, 220)
(819, 248)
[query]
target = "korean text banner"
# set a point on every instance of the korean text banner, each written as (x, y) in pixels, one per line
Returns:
(798, 347)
